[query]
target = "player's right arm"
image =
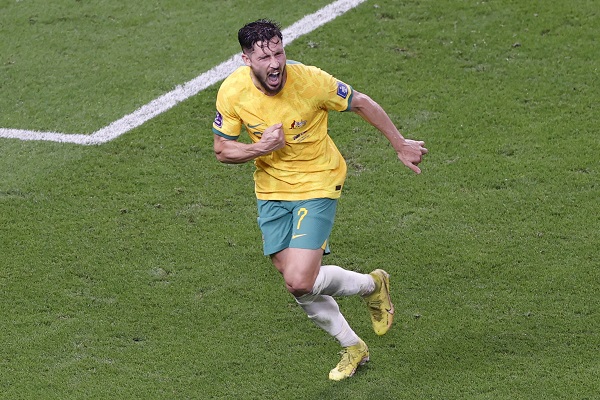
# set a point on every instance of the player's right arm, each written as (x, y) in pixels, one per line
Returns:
(410, 152)
(233, 152)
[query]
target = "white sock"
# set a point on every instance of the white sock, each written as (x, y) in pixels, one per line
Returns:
(325, 313)
(336, 281)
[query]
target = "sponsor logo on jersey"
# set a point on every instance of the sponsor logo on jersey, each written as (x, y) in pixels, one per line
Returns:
(300, 137)
(342, 90)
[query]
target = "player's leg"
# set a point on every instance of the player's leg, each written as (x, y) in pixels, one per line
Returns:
(303, 273)
(296, 253)
(333, 280)
(297, 247)
(325, 313)
(279, 222)
(374, 288)
(299, 268)
(300, 265)
(312, 225)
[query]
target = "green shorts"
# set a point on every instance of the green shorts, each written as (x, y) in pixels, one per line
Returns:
(304, 224)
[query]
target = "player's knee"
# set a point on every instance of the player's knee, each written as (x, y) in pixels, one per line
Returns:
(299, 287)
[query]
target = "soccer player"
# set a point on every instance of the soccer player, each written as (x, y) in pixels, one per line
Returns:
(299, 176)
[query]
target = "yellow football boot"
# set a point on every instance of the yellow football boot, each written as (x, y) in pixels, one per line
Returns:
(352, 357)
(379, 302)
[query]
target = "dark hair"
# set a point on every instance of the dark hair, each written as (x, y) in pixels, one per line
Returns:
(262, 30)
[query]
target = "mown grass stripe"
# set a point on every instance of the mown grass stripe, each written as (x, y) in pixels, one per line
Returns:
(182, 92)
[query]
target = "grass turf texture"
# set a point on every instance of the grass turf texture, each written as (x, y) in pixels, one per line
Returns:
(134, 270)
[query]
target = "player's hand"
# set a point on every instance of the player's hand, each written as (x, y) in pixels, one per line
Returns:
(411, 153)
(273, 138)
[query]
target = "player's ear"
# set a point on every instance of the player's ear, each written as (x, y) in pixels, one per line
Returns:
(246, 59)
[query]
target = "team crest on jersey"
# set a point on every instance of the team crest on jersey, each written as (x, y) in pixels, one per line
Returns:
(297, 124)
(219, 120)
(342, 90)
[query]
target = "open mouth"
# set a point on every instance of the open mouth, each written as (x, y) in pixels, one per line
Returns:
(274, 78)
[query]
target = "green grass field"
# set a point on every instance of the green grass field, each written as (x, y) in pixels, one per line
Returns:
(134, 269)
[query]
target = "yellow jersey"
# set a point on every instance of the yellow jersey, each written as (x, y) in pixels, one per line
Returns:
(310, 165)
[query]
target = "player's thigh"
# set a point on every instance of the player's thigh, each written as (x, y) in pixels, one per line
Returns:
(275, 220)
(312, 223)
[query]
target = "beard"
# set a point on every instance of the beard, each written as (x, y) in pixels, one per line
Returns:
(271, 82)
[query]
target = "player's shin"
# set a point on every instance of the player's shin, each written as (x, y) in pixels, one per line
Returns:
(325, 313)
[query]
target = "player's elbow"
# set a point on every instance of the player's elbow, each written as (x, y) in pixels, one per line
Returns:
(360, 102)
(221, 157)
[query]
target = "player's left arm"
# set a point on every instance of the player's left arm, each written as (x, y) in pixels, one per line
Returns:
(410, 152)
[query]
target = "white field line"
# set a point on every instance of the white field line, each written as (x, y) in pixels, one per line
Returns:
(182, 92)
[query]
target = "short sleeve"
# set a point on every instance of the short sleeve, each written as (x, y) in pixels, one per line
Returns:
(227, 122)
(338, 95)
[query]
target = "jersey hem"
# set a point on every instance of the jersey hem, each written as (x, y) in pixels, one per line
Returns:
(301, 196)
